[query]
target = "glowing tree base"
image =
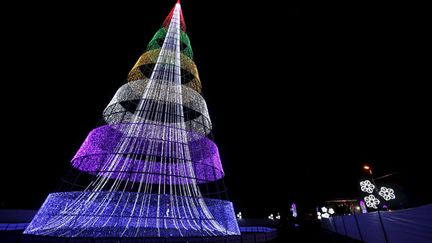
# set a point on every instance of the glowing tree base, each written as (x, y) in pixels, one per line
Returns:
(119, 219)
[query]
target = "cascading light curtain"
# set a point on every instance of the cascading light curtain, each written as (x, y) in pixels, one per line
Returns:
(150, 159)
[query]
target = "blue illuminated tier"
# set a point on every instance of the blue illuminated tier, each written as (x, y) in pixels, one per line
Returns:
(120, 219)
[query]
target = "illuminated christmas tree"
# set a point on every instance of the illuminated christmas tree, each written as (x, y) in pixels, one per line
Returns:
(152, 169)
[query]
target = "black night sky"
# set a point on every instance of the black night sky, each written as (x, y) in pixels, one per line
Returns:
(300, 98)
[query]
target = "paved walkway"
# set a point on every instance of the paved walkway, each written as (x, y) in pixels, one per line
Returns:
(310, 232)
(306, 232)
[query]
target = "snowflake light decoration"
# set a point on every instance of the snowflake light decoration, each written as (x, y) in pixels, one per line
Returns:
(387, 193)
(325, 213)
(372, 201)
(367, 186)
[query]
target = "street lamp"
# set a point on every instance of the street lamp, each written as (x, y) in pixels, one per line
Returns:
(367, 167)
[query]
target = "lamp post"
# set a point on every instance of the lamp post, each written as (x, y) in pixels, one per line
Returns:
(368, 168)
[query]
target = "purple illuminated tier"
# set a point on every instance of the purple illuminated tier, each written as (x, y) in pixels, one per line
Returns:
(146, 157)
(118, 217)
